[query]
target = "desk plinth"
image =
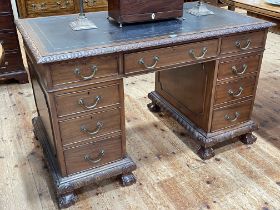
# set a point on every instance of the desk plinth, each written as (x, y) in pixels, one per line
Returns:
(206, 77)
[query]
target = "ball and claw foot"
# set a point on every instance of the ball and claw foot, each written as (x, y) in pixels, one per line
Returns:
(206, 153)
(153, 107)
(127, 179)
(66, 200)
(248, 138)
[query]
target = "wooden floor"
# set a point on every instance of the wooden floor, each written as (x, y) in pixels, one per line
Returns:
(169, 174)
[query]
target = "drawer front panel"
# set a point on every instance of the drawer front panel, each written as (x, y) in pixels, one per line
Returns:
(233, 90)
(11, 61)
(129, 7)
(92, 125)
(49, 6)
(84, 71)
(5, 6)
(151, 16)
(95, 5)
(9, 41)
(243, 42)
(231, 115)
(87, 99)
(163, 57)
(7, 22)
(238, 67)
(93, 155)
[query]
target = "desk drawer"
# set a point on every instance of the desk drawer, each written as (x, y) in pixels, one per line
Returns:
(93, 155)
(243, 42)
(93, 125)
(84, 70)
(5, 6)
(238, 67)
(82, 100)
(169, 56)
(10, 41)
(237, 89)
(39, 7)
(231, 115)
(7, 22)
(12, 61)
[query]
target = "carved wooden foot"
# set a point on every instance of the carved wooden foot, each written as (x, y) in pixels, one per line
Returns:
(248, 138)
(66, 200)
(153, 107)
(128, 179)
(206, 153)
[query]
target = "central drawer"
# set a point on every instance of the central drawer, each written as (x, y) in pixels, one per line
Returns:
(93, 125)
(82, 100)
(84, 70)
(93, 155)
(150, 60)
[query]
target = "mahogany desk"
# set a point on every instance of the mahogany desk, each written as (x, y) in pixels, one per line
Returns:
(207, 70)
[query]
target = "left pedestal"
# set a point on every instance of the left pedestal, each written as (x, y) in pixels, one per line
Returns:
(65, 186)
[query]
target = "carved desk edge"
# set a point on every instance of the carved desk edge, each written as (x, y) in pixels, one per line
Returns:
(206, 140)
(64, 185)
(133, 45)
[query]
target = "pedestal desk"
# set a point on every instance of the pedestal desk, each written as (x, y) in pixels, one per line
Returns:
(206, 68)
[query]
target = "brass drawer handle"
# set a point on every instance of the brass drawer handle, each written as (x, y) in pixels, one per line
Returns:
(232, 118)
(247, 44)
(99, 125)
(77, 72)
(97, 159)
(236, 72)
(82, 103)
(231, 93)
(203, 53)
(155, 59)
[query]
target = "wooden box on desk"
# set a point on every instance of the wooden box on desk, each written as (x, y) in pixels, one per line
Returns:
(132, 11)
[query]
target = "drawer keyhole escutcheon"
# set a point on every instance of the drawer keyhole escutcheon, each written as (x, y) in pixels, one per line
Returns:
(203, 53)
(237, 94)
(82, 103)
(99, 125)
(77, 72)
(155, 59)
(246, 45)
(232, 118)
(97, 159)
(236, 72)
